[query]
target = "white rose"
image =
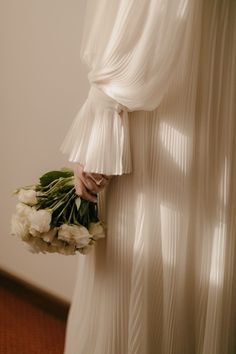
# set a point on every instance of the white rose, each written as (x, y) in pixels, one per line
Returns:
(28, 196)
(52, 249)
(67, 250)
(40, 220)
(87, 249)
(62, 248)
(50, 235)
(74, 234)
(38, 245)
(34, 232)
(96, 230)
(19, 227)
(57, 243)
(23, 209)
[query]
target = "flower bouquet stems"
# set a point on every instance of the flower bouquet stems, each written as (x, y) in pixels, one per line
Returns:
(50, 217)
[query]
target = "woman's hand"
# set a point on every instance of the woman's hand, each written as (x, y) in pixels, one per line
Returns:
(87, 185)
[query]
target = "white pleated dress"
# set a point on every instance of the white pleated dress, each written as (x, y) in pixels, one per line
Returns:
(163, 279)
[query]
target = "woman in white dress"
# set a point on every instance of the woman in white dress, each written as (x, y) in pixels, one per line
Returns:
(161, 119)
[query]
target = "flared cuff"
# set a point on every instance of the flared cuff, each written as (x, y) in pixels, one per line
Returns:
(99, 136)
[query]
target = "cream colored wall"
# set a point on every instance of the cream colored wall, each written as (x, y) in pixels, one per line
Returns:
(43, 83)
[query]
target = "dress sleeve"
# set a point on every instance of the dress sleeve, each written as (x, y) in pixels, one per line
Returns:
(99, 136)
(132, 48)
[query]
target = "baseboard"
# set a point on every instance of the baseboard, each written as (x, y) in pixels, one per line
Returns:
(35, 295)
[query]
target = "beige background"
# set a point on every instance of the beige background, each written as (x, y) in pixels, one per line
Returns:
(42, 85)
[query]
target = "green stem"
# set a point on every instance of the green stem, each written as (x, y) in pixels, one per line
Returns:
(58, 204)
(68, 202)
(60, 182)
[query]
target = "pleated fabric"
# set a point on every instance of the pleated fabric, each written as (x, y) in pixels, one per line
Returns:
(163, 279)
(101, 128)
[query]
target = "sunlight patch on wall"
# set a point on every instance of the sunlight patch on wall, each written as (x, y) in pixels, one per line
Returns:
(170, 229)
(218, 256)
(139, 228)
(182, 10)
(176, 143)
(224, 183)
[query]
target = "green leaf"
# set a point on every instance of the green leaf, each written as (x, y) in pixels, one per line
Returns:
(51, 176)
(66, 169)
(84, 208)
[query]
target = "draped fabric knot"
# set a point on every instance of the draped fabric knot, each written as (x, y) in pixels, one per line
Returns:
(101, 99)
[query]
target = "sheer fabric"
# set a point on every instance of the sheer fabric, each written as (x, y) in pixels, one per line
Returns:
(160, 113)
(132, 61)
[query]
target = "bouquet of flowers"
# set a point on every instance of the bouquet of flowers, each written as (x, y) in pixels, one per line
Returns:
(51, 217)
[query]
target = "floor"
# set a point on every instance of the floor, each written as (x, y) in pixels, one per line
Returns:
(26, 328)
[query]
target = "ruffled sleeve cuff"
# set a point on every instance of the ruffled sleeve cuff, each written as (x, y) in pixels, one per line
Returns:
(99, 136)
